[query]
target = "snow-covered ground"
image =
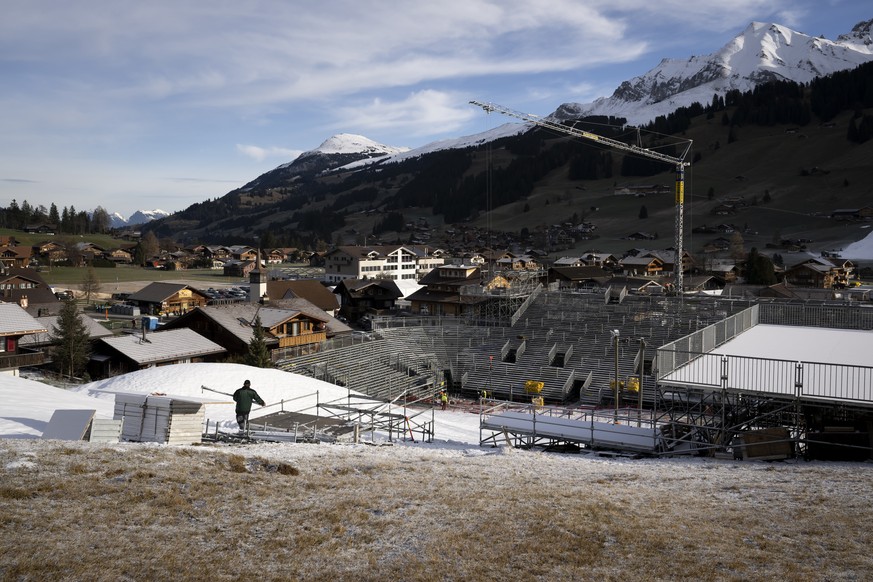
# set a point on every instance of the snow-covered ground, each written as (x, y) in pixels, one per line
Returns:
(862, 249)
(28, 405)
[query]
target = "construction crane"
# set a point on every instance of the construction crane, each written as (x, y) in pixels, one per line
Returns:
(679, 163)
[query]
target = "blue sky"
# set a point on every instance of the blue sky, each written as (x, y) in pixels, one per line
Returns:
(160, 104)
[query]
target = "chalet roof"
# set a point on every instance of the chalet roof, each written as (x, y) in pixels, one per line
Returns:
(17, 252)
(50, 322)
(163, 346)
(567, 261)
(16, 321)
(430, 296)
(309, 289)
(334, 325)
(159, 292)
(640, 260)
(578, 273)
(632, 282)
(41, 293)
(237, 318)
(355, 286)
(434, 277)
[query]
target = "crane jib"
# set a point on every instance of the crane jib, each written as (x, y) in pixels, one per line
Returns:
(679, 163)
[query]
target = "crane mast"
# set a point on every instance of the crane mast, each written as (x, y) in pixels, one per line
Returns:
(679, 164)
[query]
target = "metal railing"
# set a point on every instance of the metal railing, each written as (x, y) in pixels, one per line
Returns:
(790, 378)
(679, 352)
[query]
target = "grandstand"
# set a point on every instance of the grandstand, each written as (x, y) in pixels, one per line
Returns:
(618, 358)
(564, 340)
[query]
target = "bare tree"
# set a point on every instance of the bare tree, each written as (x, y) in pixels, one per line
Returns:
(90, 284)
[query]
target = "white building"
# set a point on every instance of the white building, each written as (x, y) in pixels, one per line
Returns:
(391, 262)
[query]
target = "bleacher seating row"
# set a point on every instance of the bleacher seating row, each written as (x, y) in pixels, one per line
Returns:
(500, 359)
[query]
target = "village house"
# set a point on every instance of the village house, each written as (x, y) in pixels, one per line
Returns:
(820, 272)
(453, 290)
(279, 291)
(161, 298)
(577, 278)
(359, 298)
(15, 324)
(121, 354)
(231, 326)
(642, 265)
(26, 288)
(14, 256)
(50, 252)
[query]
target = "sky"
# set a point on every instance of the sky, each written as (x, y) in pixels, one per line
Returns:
(144, 105)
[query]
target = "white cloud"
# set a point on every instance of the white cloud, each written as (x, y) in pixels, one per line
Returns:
(425, 112)
(260, 154)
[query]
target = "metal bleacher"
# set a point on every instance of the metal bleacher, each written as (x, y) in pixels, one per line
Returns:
(564, 339)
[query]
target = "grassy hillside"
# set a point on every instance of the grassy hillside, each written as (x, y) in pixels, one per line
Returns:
(763, 159)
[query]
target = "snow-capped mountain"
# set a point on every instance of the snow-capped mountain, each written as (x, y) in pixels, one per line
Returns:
(761, 53)
(116, 220)
(335, 152)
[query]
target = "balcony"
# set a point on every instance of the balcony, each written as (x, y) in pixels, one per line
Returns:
(22, 359)
(299, 340)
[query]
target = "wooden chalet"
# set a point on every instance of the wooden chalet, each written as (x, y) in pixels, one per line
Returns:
(14, 256)
(642, 265)
(16, 324)
(362, 297)
(49, 252)
(236, 268)
(577, 277)
(41, 228)
(821, 273)
(310, 289)
(453, 290)
(161, 298)
(231, 326)
(27, 288)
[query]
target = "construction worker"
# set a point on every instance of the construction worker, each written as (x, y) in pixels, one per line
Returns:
(244, 397)
(444, 399)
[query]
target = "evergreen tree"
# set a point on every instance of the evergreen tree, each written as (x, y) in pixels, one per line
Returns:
(644, 212)
(258, 354)
(72, 347)
(759, 269)
(53, 216)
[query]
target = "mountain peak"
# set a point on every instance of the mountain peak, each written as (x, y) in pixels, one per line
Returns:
(350, 143)
(760, 53)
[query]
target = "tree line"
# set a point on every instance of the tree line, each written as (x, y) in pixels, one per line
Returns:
(67, 221)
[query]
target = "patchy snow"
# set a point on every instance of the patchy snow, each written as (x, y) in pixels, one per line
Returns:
(504, 130)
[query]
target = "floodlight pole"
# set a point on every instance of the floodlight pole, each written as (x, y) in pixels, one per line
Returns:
(615, 334)
(642, 371)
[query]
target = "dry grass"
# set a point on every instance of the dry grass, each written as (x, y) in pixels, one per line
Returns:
(285, 512)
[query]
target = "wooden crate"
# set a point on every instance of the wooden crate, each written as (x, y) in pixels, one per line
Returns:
(766, 444)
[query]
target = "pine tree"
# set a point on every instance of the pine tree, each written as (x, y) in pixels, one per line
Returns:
(258, 354)
(72, 347)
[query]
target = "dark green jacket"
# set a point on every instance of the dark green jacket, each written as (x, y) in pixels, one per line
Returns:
(243, 398)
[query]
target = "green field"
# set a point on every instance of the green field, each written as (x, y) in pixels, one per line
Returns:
(126, 274)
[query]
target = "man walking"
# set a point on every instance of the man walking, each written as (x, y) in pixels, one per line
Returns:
(244, 397)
